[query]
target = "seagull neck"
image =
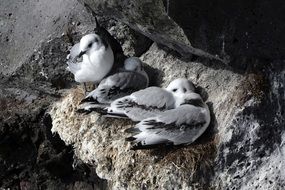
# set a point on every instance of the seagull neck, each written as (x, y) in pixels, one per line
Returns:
(194, 102)
(179, 100)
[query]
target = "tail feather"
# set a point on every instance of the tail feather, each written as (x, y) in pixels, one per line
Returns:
(130, 139)
(96, 108)
(112, 114)
(89, 99)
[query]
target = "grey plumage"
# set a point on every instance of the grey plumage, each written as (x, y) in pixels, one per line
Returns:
(150, 101)
(182, 125)
(129, 79)
(142, 104)
(74, 52)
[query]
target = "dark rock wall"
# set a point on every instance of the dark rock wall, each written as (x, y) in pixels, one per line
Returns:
(257, 133)
(247, 28)
(234, 31)
(31, 157)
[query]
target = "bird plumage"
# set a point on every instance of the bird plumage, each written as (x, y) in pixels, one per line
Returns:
(97, 60)
(179, 126)
(126, 81)
(150, 101)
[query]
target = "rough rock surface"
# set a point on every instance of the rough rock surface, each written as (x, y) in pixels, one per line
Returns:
(150, 18)
(233, 153)
(31, 157)
(243, 147)
(33, 75)
(25, 25)
(232, 30)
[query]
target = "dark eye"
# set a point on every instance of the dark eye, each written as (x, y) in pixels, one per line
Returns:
(174, 90)
(184, 90)
(89, 45)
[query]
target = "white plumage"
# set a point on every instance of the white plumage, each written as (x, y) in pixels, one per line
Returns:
(127, 80)
(182, 125)
(97, 60)
(150, 101)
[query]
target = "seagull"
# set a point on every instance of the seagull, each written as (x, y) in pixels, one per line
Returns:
(179, 126)
(97, 60)
(129, 79)
(96, 65)
(148, 102)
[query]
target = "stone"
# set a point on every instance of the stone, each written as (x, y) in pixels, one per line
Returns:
(234, 149)
(45, 21)
(45, 144)
(223, 30)
(150, 19)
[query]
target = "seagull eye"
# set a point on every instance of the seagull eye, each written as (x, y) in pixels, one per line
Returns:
(89, 45)
(174, 90)
(184, 90)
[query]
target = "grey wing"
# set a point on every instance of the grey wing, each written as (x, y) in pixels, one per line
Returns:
(182, 125)
(154, 97)
(143, 104)
(126, 106)
(119, 85)
(129, 80)
(139, 113)
(74, 52)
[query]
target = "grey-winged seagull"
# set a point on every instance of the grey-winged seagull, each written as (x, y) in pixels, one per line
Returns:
(150, 101)
(129, 79)
(179, 126)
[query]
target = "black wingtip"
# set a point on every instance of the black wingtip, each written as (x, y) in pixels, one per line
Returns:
(116, 115)
(102, 111)
(99, 110)
(83, 111)
(89, 99)
(130, 139)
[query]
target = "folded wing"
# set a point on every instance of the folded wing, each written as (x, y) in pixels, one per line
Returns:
(182, 125)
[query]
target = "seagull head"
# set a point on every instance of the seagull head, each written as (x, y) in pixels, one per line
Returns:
(180, 87)
(89, 43)
(133, 64)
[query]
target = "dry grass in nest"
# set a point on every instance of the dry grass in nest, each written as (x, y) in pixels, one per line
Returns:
(195, 158)
(78, 95)
(192, 157)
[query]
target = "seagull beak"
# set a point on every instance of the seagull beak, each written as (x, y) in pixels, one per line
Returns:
(81, 53)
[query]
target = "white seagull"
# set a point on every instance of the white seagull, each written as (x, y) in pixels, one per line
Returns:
(97, 61)
(117, 49)
(179, 126)
(148, 102)
(129, 79)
